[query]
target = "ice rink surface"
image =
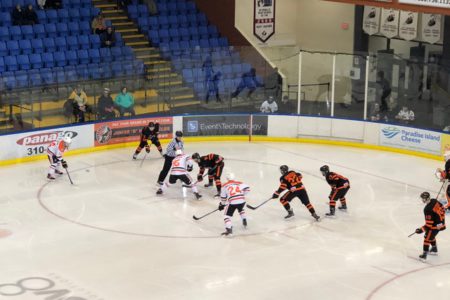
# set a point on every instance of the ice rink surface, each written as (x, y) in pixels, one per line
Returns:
(110, 237)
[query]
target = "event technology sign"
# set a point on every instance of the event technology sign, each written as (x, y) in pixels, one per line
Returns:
(224, 125)
(410, 139)
(264, 19)
(35, 142)
(433, 3)
(124, 131)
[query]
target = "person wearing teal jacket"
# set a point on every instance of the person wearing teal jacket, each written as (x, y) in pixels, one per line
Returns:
(125, 102)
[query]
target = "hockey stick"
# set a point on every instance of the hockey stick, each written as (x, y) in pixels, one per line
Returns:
(255, 207)
(70, 179)
(412, 234)
(443, 183)
(142, 161)
(201, 217)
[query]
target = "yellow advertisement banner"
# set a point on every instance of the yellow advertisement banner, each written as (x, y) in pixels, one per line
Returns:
(445, 146)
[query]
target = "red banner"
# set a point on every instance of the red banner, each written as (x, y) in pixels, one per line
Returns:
(123, 131)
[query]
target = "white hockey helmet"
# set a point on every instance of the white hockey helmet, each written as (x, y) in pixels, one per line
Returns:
(67, 141)
(230, 176)
(179, 152)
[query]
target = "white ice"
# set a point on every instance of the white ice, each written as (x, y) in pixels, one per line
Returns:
(110, 237)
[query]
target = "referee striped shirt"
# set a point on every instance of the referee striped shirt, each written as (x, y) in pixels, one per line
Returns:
(174, 146)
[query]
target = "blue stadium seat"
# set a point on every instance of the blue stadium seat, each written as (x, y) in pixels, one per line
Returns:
(48, 60)
(191, 7)
(128, 68)
(188, 76)
(25, 47)
(153, 23)
(94, 55)
(164, 36)
(119, 40)
(3, 49)
(163, 22)
(60, 58)
(193, 32)
(74, 15)
(4, 33)
(11, 63)
(15, 33)
(133, 11)
(85, 27)
(83, 56)
(82, 72)
(13, 47)
(39, 31)
(214, 43)
(35, 78)
(42, 17)
(94, 40)
(52, 16)
(105, 54)
(183, 21)
(86, 3)
(153, 35)
(63, 15)
(85, 14)
(72, 3)
(116, 53)
(192, 19)
(36, 61)
(138, 66)
(48, 77)
(61, 43)
(94, 71)
(127, 52)
(37, 45)
(172, 8)
(105, 70)
(5, 19)
(202, 20)
(173, 21)
(62, 29)
(194, 43)
(24, 62)
(94, 11)
(213, 31)
(83, 41)
(162, 8)
(2, 65)
(9, 80)
(22, 79)
(72, 42)
(117, 69)
(143, 23)
(70, 73)
(223, 42)
(27, 32)
(174, 34)
(74, 28)
(50, 29)
(70, 56)
(203, 32)
(49, 44)
(184, 34)
(204, 43)
(181, 8)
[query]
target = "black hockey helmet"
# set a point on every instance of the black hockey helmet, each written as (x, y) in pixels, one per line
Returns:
(324, 170)
(284, 169)
(151, 124)
(196, 156)
(425, 196)
(178, 133)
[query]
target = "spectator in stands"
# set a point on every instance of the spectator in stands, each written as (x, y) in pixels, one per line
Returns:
(376, 115)
(55, 4)
(125, 102)
(123, 3)
(106, 106)
(207, 69)
(98, 24)
(274, 83)
(17, 15)
(79, 98)
(30, 16)
(248, 80)
(269, 106)
(108, 38)
(446, 128)
(151, 5)
(41, 4)
(212, 87)
(405, 115)
(286, 106)
(385, 90)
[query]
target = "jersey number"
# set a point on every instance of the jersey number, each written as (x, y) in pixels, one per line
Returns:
(293, 179)
(234, 190)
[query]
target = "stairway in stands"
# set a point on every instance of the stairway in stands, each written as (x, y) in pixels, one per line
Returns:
(168, 83)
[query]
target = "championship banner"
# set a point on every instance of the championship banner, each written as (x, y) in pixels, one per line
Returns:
(371, 20)
(36, 142)
(224, 125)
(431, 28)
(124, 131)
(389, 22)
(408, 25)
(431, 3)
(264, 19)
(410, 139)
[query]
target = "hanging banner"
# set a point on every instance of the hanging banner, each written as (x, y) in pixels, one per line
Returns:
(431, 28)
(264, 19)
(408, 25)
(432, 3)
(389, 22)
(371, 21)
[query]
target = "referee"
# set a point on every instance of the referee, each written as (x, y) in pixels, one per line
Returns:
(175, 144)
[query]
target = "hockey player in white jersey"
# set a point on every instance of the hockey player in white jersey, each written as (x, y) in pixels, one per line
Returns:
(182, 164)
(55, 152)
(232, 197)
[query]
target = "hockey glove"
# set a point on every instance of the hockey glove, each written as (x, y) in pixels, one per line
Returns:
(189, 168)
(274, 196)
(199, 178)
(64, 164)
(221, 206)
(419, 230)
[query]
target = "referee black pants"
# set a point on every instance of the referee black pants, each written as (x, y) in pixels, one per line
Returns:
(166, 168)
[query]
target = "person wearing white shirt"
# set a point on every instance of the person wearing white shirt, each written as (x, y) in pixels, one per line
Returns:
(405, 115)
(269, 106)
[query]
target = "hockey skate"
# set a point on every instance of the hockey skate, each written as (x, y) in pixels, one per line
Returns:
(159, 192)
(59, 172)
(228, 232)
(331, 213)
(134, 156)
(343, 207)
(49, 176)
(433, 251)
(197, 196)
(315, 216)
(290, 214)
(217, 195)
(209, 184)
(423, 256)
(244, 222)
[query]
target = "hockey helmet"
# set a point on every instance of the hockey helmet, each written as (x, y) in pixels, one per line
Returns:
(196, 157)
(151, 125)
(230, 176)
(284, 169)
(67, 141)
(178, 133)
(324, 170)
(425, 196)
(179, 152)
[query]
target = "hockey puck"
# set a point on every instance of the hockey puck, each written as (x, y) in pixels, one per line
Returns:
(87, 170)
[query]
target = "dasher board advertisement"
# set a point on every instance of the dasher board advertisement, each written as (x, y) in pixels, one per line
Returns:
(432, 3)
